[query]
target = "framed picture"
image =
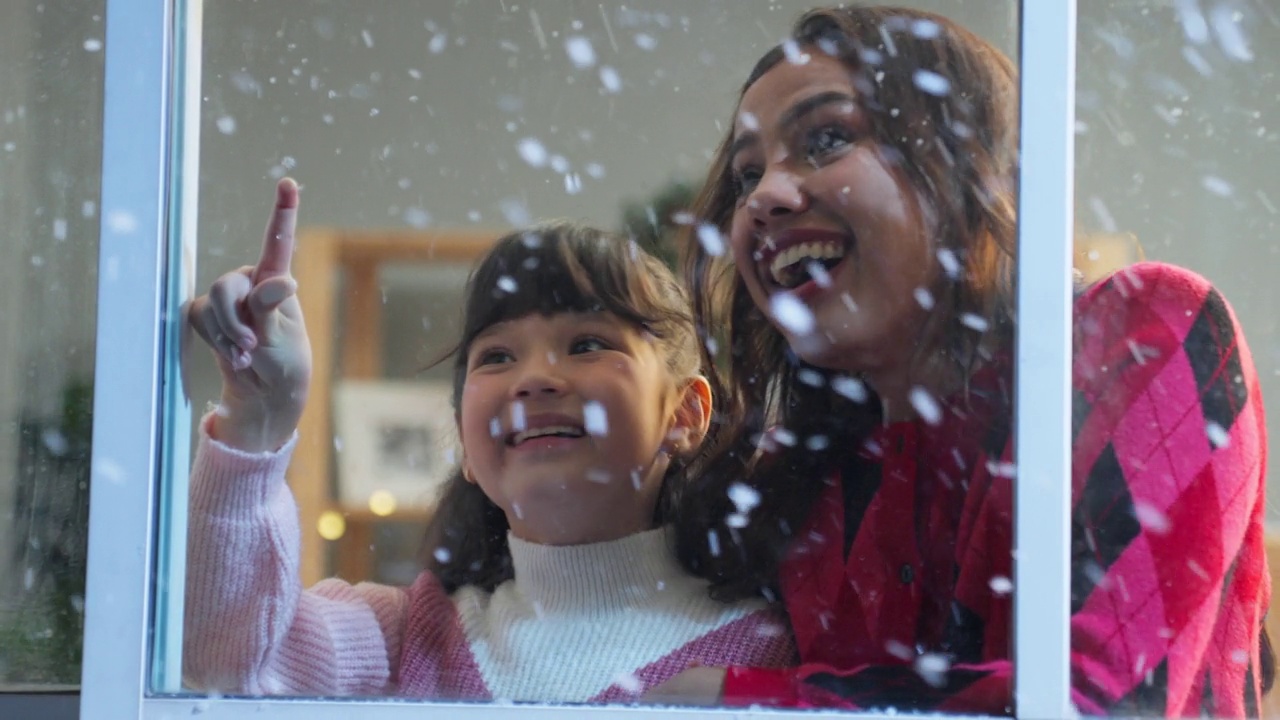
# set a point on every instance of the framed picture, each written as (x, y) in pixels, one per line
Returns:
(396, 442)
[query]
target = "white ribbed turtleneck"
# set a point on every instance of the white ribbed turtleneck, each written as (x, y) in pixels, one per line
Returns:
(597, 577)
(620, 605)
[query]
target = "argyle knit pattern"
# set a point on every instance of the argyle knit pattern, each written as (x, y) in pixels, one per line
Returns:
(908, 602)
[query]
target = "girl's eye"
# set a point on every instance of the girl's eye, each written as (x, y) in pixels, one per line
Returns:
(744, 181)
(586, 345)
(493, 357)
(824, 141)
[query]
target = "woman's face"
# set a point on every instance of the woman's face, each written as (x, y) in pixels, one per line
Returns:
(829, 237)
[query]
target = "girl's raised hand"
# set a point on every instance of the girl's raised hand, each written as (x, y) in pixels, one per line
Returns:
(251, 319)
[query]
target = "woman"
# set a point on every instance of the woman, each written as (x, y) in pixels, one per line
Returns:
(866, 192)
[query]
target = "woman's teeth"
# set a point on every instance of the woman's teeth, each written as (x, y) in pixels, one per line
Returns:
(790, 267)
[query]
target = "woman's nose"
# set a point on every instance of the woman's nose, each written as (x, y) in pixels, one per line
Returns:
(778, 194)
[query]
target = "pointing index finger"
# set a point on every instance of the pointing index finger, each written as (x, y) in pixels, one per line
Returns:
(278, 243)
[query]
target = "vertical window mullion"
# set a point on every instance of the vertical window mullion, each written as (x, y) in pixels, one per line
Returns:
(1043, 486)
(128, 364)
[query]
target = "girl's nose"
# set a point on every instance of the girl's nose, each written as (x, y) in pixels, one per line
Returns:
(777, 195)
(539, 378)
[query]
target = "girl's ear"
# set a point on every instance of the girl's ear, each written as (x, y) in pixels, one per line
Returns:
(692, 416)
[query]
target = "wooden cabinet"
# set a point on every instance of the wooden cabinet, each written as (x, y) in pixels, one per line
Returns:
(338, 273)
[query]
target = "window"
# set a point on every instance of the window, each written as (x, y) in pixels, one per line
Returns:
(421, 134)
(50, 145)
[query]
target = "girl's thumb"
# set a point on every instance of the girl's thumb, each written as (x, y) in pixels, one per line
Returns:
(270, 293)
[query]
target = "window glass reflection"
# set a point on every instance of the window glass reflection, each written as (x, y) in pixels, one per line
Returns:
(826, 428)
(1172, 193)
(50, 147)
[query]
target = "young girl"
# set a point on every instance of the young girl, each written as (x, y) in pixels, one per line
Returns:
(867, 191)
(577, 394)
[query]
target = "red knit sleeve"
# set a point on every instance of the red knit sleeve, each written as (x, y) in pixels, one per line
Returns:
(1167, 473)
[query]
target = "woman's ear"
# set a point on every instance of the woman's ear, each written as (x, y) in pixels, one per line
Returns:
(692, 416)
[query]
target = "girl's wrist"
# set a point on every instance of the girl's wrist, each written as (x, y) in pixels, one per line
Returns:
(253, 427)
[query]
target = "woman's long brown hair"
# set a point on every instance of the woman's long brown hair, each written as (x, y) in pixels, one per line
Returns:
(958, 151)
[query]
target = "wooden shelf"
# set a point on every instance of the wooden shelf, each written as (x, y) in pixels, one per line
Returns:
(324, 253)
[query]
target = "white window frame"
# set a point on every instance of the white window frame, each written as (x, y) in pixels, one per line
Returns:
(145, 270)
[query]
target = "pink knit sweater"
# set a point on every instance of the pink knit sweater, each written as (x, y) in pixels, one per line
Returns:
(590, 623)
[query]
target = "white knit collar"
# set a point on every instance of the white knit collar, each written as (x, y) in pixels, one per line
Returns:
(611, 575)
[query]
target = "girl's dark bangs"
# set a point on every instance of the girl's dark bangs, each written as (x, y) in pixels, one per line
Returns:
(527, 276)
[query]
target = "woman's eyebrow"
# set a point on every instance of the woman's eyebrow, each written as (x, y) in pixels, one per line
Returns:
(814, 102)
(794, 114)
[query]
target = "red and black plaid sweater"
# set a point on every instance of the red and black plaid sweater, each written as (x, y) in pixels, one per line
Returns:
(1169, 583)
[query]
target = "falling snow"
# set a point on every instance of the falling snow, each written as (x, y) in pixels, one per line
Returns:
(1001, 585)
(711, 238)
(791, 313)
(121, 222)
(1226, 24)
(793, 53)
(1151, 517)
(925, 405)
(852, 388)
(819, 274)
(744, 497)
(817, 442)
(974, 322)
(417, 217)
(507, 284)
(580, 52)
(610, 79)
(931, 82)
(933, 667)
(1218, 436)
(532, 151)
(518, 421)
(594, 419)
(1193, 22)
(1217, 186)
(628, 683)
(925, 29)
(950, 263)
(924, 297)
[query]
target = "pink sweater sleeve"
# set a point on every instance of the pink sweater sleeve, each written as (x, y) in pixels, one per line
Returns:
(249, 626)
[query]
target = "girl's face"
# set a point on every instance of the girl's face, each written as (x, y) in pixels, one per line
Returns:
(828, 236)
(562, 421)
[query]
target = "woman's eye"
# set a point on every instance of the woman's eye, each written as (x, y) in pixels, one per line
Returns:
(744, 181)
(493, 357)
(586, 345)
(823, 141)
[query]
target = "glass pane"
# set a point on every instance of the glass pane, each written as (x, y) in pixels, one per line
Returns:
(421, 137)
(1176, 217)
(50, 155)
